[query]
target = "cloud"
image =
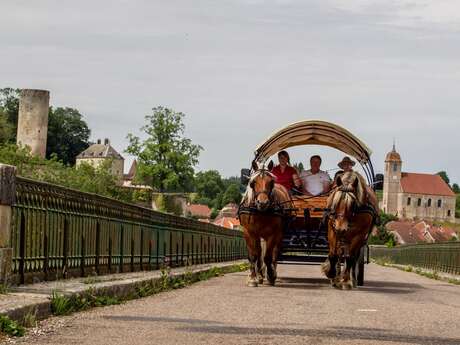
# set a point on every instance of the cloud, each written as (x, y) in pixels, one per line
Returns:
(242, 69)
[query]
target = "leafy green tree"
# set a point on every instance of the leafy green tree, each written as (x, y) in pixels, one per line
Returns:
(9, 106)
(456, 188)
(444, 176)
(382, 235)
(6, 129)
(233, 180)
(166, 156)
(231, 195)
(68, 134)
(208, 184)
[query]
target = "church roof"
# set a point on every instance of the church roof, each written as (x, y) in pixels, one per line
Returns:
(425, 184)
(100, 151)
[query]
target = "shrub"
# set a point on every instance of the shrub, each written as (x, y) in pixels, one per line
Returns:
(11, 327)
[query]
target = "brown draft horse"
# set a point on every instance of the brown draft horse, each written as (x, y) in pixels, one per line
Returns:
(349, 223)
(262, 214)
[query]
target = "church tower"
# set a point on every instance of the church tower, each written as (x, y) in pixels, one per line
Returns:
(391, 182)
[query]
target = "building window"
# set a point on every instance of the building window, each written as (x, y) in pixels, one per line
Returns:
(409, 201)
(448, 213)
(395, 167)
(439, 203)
(419, 202)
(429, 202)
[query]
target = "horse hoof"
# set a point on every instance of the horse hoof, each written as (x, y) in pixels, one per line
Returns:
(252, 283)
(355, 284)
(271, 282)
(335, 284)
(260, 280)
(347, 285)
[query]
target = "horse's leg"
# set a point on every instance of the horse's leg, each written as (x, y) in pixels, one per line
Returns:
(271, 243)
(278, 241)
(347, 283)
(329, 267)
(252, 256)
(260, 263)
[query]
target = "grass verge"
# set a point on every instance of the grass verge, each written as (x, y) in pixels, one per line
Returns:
(62, 304)
(65, 304)
(408, 268)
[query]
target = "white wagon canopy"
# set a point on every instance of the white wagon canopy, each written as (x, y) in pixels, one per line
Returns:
(313, 132)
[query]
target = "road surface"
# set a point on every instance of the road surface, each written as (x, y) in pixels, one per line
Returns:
(394, 307)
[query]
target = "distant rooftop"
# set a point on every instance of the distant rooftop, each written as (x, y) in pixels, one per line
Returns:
(100, 150)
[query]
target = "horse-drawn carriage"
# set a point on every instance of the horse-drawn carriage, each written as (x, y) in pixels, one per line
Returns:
(305, 232)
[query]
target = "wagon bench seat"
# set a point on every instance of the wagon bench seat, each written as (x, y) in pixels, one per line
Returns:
(315, 205)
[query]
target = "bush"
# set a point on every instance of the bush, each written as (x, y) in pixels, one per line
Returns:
(84, 177)
(11, 327)
(383, 236)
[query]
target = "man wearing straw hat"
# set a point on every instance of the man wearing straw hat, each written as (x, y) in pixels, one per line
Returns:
(347, 164)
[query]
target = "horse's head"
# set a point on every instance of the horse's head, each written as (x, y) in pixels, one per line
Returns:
(346, 198)
(261, 183)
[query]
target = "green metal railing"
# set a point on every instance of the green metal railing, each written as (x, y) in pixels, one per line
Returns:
(58, 232)
(442, 257)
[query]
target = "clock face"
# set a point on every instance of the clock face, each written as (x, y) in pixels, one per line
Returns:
(395, 177)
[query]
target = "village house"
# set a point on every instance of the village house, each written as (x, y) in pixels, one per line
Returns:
(198, 211)
(410, 232)
(414, 195)
(228, 217)
(98, 153)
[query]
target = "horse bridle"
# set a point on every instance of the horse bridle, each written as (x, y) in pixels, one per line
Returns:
(346, 190)
(268, 193)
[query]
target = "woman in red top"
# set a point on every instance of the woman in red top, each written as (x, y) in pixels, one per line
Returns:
(286, 175)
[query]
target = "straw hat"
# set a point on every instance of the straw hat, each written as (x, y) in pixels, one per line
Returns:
(345, 160)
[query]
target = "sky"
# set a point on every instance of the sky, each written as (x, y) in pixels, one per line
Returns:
(385, 70)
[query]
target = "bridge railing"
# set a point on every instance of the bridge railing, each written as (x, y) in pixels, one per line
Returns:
(441, 257)
(58, 232)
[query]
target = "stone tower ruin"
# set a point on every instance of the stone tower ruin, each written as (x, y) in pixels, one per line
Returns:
(33, 120)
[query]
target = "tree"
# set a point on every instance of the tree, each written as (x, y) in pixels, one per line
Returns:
(456, 188)
(9, 106)
(6, 129)
(208, 184)
(231, 195)
(382, 235)
(444, 176)
(299, 167)
(166, 156)
(68, 134)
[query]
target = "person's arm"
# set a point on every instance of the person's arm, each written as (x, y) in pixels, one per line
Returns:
(327, 183)
(296, 179)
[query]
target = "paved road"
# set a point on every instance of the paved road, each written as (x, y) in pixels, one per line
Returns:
(394, 307)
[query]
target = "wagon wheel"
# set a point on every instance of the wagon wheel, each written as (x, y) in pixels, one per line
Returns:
(360, 266)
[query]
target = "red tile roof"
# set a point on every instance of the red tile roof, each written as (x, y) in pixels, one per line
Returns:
(198, 210)
(407, 232)
(442, 234)
(227, 222)
(425, 184)
(422, 231)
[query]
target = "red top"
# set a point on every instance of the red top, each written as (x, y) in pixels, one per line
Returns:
(285, 178)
